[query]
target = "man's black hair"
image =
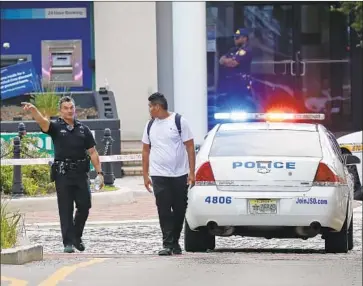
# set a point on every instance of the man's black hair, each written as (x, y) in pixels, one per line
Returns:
(65, 99)
(158, 98)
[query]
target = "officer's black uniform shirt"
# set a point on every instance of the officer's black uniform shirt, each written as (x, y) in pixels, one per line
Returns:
(70, 143)
(243, 55)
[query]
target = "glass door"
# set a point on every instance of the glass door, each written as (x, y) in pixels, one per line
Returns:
(300, 56)
(322, 64)
(272, 41)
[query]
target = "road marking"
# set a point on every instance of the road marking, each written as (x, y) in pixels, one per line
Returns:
(63, 272)
(14, 281)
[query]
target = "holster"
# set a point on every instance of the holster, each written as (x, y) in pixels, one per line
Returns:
(53, 172)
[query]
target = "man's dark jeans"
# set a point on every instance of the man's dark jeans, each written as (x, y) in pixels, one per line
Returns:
(171, 195)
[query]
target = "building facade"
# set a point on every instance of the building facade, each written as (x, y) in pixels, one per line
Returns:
(302, 52)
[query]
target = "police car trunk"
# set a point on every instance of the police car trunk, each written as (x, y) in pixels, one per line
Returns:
(265, 157)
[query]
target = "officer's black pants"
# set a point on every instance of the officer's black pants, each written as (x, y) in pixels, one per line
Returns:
(73, 188)
(171, 195)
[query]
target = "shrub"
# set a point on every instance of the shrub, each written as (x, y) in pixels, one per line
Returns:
(9, 226)
(35, 178)
(46, 100)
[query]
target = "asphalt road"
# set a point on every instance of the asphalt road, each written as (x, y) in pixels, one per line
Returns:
(124, 254)
(212, 269)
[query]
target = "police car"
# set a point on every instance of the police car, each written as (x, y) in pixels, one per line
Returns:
(352, 144)
(274, 177)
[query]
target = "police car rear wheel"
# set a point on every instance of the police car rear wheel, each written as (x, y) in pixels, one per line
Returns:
(350, 235)
(198, 241)
(358, 192)
(337, 242)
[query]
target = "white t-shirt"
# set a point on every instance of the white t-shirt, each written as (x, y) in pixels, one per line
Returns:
(168, 155)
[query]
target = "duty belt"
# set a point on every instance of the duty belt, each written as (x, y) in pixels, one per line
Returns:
(68, 164)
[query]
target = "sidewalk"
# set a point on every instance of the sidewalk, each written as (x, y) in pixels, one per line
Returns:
(141, 209)
(130, 202)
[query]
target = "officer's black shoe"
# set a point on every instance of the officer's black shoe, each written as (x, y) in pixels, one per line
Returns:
(69, 249)
(165, 252)
(177, 249)
(78, 244)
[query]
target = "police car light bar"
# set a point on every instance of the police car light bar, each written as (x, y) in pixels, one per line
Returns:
(242, 116)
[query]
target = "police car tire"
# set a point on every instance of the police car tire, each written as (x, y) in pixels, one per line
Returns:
(198, 241)
(350, 235)
(358, 192)
(337, 242)
(357, 185)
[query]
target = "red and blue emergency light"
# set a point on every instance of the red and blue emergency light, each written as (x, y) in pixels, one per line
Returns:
(269, 116)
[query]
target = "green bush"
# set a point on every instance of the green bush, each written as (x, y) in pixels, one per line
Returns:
(9, 226)
(35, 178)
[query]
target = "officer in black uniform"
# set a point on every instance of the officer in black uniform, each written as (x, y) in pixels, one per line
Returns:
(74, 147)
(236, 82)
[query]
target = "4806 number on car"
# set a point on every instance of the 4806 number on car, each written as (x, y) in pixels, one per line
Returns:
(218, 200)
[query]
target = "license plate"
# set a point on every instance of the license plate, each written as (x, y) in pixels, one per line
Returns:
(262, 206)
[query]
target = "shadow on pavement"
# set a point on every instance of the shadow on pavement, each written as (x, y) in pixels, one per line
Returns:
(270, 250)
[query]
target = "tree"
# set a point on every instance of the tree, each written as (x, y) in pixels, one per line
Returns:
(354, 11)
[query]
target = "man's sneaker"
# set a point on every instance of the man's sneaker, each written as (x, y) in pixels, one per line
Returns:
(165, 252)
(177, 249)
(69, 249)
(78, 244)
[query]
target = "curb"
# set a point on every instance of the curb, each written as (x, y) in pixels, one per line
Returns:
(22, 254)
(95, 223)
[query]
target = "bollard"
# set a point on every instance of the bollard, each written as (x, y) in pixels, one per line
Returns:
(21, 130)
(107, 140)
(18, 188)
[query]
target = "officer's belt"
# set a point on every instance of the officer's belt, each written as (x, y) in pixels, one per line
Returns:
(71, 164)
(239, 75)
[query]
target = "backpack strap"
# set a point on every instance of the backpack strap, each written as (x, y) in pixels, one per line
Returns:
(177, 122)
(148, 129)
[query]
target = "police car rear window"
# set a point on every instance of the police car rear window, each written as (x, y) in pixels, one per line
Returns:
(266, 143)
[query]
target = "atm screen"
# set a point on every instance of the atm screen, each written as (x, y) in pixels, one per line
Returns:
(61, 60)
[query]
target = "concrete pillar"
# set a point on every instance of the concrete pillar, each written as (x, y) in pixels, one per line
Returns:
(190, 65)
(164, 38)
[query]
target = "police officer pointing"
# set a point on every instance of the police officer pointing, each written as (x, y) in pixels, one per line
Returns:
(237, 66)
(74, 147)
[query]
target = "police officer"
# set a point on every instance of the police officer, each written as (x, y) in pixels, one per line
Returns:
(74, 145)
(236, 82)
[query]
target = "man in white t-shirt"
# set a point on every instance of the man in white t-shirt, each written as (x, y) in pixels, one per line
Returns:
(168, 162)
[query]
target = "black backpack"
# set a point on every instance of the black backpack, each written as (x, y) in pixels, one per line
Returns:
(177, 123)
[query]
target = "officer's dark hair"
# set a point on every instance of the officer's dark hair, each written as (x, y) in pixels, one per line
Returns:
(65, 99)
(158, 98)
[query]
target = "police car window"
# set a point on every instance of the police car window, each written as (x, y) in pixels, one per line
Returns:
(334, 144)
(266, 143)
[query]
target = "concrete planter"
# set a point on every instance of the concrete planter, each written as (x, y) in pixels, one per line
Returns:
(22, 254)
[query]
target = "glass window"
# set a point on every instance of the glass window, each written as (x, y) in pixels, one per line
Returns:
(300, 60)
(266, 143)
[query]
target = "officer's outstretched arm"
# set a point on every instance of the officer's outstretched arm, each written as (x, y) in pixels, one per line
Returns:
(42, 121)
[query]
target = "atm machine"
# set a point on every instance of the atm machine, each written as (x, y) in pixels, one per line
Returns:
(62, 63)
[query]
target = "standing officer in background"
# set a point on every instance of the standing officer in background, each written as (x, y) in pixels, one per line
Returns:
(73, 146)
(236, 82)
(168, 156)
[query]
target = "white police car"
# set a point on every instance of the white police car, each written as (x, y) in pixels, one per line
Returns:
(352, 144)
(271, 179)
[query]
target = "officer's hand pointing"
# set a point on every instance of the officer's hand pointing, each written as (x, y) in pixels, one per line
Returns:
(27, 106)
